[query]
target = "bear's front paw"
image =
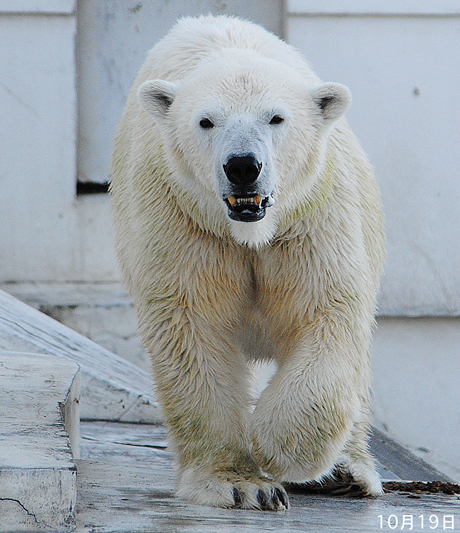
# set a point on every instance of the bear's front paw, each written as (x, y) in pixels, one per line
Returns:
(232, 492)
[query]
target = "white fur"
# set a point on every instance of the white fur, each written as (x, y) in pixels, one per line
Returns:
(297, 287)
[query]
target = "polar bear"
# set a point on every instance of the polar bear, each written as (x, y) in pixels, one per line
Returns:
(249, 228)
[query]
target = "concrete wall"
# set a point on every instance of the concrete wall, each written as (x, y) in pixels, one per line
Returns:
(113, 39)
(404, 80)
(65, 70)
(47, 233)
(416, 375)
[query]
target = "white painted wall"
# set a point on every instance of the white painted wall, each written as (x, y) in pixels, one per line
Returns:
(37, 136)
(46, 232)
(399, 67)
(66, 67)
(113, 40)
(416, 382)
(404, 75)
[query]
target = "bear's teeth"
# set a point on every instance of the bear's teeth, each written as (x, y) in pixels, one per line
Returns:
(250, 200)
(246, 200)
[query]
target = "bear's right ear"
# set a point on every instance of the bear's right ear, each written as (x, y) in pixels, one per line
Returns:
(156, 96)
(333, 100)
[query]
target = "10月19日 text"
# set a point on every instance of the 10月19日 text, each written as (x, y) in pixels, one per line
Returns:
(410, 522)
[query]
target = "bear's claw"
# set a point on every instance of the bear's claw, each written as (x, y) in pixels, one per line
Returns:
(275, 500)
(283, 497)
(237, 497)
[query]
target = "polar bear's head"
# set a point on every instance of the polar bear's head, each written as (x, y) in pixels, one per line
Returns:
(245, 136)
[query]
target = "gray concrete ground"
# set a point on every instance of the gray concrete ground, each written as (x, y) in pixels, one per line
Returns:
(126, 484)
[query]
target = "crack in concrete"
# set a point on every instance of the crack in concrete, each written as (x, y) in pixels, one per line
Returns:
(137, 445)
(21, 505)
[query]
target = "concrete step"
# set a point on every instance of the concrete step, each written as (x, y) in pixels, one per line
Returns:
(39, 440)
(102, 312)
(112, 388)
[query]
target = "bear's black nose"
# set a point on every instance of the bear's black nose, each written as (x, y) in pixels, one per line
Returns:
(242, 170)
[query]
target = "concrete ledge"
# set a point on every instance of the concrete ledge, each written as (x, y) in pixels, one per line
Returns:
(102, 312)
(32, 7)
(112, 388)
(39, 413)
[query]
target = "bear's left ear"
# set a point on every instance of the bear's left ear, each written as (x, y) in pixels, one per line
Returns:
(156, 96)
(333, 100)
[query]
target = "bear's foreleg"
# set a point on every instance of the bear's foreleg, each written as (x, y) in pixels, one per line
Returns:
(202, 383)
(311, 416)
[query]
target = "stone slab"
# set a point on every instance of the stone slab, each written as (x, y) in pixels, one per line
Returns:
(400, 461)
(39, 424)
(112, 388)
(102, 312)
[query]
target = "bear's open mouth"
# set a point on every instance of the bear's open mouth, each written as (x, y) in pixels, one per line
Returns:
(248, 208)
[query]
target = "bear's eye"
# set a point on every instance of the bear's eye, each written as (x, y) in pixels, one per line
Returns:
(276, 119)
(206, 124)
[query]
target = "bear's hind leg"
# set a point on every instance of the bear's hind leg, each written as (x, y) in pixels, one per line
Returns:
(356, 466)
